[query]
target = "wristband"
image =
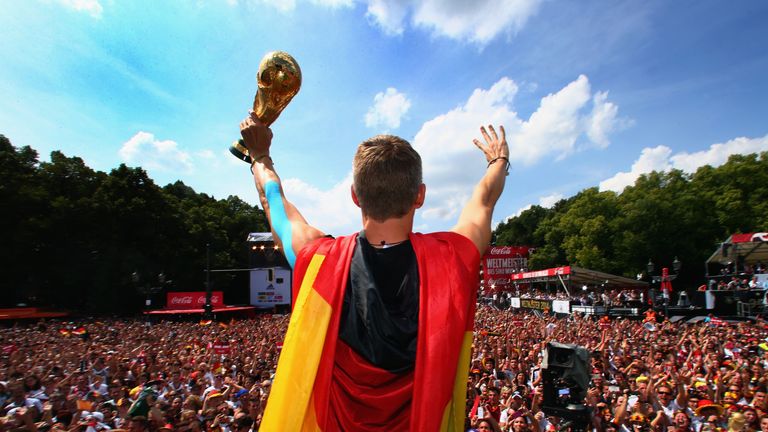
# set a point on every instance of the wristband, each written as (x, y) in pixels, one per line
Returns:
(257, 158)
(506, 159)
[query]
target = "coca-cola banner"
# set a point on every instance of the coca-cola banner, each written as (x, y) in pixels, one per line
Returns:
(501, 262)
(192, 300)
(552, 272)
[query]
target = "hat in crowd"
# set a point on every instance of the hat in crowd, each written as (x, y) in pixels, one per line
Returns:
(637, 418)
(240, 393)
(214, 394)
(641, 378)
(699, 384)
(134, 392)
(705, 404)
(517, 395)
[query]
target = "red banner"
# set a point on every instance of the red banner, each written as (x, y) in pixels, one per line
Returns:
(500, 263)
(552, 272)
(220, 347)
(192, 300)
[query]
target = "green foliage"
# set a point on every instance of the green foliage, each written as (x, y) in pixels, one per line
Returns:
(660, 217)
(75, 237)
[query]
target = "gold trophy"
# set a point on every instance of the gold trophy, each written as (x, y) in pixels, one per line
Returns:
(279, 80)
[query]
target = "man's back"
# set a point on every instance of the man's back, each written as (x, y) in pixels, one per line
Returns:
(348, 392)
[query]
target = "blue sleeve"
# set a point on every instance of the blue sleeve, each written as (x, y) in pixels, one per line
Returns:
(280, 223)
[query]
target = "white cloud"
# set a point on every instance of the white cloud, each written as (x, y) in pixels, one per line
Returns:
(389, 15)
(603, 120)
(550, 200)
(651, 159)
(145, 150)
(91, 7)
(330, 210)
(387, 110)
(660, 158)
(452, 165)
(477, 21)
(717, 154)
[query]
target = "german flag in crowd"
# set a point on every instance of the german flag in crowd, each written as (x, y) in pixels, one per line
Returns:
(223, 325)
(205, 322)
(79, 331)
(64, 332)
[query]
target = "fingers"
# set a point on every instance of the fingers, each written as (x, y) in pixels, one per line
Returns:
(485, 134)
(493, 133)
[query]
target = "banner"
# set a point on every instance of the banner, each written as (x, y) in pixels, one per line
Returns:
(539, 305)
(192, 300)
(552, 272)
(561, 306)
(270, 287)
(220, 347)
(515, 302)
(501, 262)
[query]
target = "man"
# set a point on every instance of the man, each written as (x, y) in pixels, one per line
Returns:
(382, 321)
(665, 395)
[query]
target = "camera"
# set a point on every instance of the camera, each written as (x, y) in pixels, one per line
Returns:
(565, 372)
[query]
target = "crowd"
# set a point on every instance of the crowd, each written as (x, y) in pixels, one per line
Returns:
(589, 297)
(198, 376)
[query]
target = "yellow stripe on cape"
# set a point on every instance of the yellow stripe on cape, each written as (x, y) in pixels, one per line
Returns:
(289, 406)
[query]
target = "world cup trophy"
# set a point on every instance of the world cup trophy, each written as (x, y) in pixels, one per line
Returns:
(279, 79)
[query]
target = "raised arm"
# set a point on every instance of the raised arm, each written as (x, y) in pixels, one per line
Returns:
(475, 220)
(290, 229)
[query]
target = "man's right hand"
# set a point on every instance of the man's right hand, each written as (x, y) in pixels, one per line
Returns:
(257, 137)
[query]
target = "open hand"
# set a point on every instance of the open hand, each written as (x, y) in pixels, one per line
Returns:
(494, 146)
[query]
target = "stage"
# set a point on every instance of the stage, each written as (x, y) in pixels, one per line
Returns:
(29, 313)
(216, 310)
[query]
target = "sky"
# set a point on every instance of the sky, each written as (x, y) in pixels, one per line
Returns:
(591, 93)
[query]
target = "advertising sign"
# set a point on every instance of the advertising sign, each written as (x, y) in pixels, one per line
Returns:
(501, 262)
(192, 300)
(270, 287)
(540, 305)
(552, 272)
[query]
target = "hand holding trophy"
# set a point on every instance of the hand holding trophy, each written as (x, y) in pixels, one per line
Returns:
(279, 79)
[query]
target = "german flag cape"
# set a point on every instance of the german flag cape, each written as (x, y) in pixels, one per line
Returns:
(448, 263)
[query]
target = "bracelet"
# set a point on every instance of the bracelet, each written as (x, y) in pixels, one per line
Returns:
(257, 158)
(506, 159)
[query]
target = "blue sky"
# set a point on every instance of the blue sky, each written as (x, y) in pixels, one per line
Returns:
(592, 93)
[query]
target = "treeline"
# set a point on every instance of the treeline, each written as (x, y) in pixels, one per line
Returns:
(77, 238)
(662, 216)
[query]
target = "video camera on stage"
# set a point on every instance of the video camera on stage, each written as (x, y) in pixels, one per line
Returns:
(565, 372)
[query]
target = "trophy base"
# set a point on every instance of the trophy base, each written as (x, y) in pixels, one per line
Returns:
(238, 149)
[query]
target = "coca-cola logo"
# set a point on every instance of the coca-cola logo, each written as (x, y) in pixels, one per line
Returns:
(214, 299)
(181, 300)
(501, 250)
